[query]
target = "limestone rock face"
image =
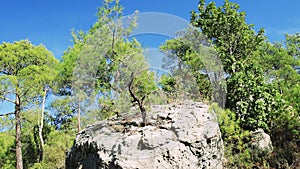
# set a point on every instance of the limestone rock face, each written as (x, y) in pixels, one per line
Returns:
(182, 135)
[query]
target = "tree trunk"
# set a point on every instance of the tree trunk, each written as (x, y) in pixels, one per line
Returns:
(143, 111)
(41, 147)
(78, 117)
(19, 161)
(140, 102)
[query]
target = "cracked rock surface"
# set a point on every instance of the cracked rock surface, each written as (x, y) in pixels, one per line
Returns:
(182, 135)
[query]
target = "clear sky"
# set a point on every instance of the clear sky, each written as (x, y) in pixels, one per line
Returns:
(50, 22)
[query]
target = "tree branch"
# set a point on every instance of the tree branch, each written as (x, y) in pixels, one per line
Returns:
(26, 91)
(7, 99)
(7, 114)
(7, 92)
(135, 99)
(138, 101)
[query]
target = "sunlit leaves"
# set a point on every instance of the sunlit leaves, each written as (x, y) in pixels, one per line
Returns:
(25, 68)
(226, 27)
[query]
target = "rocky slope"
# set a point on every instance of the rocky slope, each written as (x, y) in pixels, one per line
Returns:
(184, 135)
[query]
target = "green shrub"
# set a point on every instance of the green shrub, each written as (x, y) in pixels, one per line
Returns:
(236, 141)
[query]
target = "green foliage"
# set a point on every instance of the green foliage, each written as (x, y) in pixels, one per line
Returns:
(90, 67)
(251, 98)
(229, 124)
(114, 94)
(66, 67)
(133, 79)
(7, 158)
(187, 65)
(235, 40)
(25, 69)
(278, 63)
(237, 142)
(30, 141)
(62, 113)
(235, 139)
(168, 85)
(262, 87)
(58, 143)
(260, 105)
(292, 95)
(292, 44)
(285, 126)
(143, 84)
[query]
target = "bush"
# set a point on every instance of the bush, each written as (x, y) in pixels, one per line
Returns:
(236, 141)
(251, 98)
(284, 127)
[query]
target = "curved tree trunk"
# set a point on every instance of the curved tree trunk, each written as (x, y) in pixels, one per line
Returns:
(19, 160)
(140, 102)
(41, 147)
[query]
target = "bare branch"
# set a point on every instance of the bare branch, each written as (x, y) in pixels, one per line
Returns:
(26, 91)
(143, 98)
(7, 114)
(8, 92)
(7, 99)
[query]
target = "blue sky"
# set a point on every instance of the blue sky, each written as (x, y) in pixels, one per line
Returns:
(50, 22)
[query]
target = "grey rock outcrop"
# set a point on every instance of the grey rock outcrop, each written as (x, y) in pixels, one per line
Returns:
(177, 136)
(261, 144)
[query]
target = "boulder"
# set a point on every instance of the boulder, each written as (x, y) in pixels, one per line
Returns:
(260, 144)
(182, 135)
